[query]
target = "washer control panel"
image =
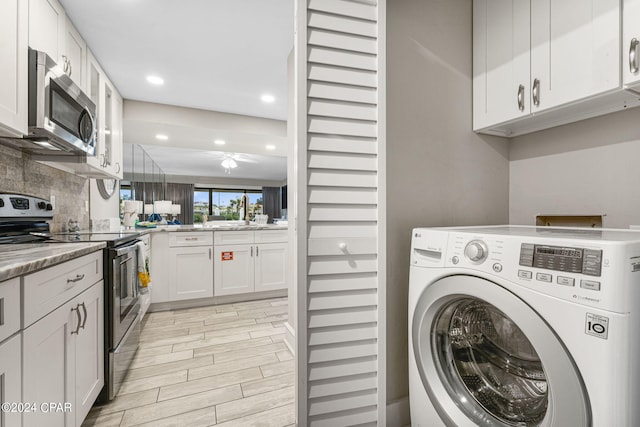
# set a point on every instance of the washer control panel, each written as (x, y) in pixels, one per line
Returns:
(560, 258)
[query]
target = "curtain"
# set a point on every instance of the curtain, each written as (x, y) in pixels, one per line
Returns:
(271, 202)
(182, 194)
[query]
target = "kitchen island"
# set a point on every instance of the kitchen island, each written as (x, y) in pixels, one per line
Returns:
(215, 263)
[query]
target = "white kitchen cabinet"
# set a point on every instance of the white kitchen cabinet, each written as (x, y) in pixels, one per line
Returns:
(14, 28)
(501, 61)
(570, 55)
(256, 263)
(631, 44)
(190, 272)
(63, 360)
(95, 91)
(47, 28)
(74, 56)
(10, 380)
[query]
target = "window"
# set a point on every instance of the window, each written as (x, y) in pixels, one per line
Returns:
(125, 192)
(220, 204)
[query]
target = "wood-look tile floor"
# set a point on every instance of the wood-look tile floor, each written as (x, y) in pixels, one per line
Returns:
(224, 365)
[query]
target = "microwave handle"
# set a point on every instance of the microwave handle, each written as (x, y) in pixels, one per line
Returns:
(86, 112)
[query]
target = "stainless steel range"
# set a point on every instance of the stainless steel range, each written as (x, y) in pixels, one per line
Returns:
(23, 219)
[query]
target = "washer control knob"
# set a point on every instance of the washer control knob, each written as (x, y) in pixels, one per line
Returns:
(476, 251)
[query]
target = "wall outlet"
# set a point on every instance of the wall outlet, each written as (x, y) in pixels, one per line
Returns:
(53, 202)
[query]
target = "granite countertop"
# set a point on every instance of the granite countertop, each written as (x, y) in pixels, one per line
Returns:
(218, 227)
(23, 258)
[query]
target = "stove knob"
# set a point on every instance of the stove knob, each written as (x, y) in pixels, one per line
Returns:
(42, 205)
(49, 207)
(476, 251)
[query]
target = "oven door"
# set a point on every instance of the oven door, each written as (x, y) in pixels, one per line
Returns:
(125, 302)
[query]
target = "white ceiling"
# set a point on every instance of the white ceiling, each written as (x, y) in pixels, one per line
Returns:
(216, 55)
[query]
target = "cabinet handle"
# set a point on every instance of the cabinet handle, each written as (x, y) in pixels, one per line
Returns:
(521, 97)
(251, 250)
(536, 92)
(77, 278)
(1, 311)
(633, 57)
(118, 167)
(77, 309)
(65, 67)
(84, 310)
(257, 251)
(209, 254)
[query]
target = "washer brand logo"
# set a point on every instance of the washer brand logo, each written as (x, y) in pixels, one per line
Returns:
(596, 325)
(587, 299)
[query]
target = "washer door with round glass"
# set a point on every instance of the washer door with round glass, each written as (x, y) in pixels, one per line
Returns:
(487, 358)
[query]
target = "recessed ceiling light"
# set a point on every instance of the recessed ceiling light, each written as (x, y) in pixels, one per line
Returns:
(162, 137)
(155, 80)
(270, 147)
(268, 98)
(219, 142)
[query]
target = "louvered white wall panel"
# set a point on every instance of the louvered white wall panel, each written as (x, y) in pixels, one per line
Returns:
(343, 264)
(324, 230)
(339, 246)
(343, 41)
(347, 110)
(343, 402)
(347, 316)
(333, 178)
(343, 144)
(333, 300)
(340, 92)
(344, 240)
(347, 76)
(337, 195)
(337, 334)
(359, 417)
(343, 368)
(343, 24)
(329, 353)
(346, 384)
(343, 213)
(344, 161)
(337, 283)
(361, 61)
(355, 9)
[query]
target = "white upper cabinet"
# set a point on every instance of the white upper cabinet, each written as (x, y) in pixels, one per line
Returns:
(13, 67)
(575, 50)
(74, 57)
(539, 64)
(47, 27)
(631, 44)
(501, 61)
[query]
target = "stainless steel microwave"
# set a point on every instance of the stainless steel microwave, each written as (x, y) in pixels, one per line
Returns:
(61, 117)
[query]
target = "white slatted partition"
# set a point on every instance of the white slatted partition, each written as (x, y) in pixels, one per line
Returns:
(340, 215)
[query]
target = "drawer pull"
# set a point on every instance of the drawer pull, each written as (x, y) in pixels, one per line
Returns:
(633, 60)
(84, 310)
(76, 279)
(1, 311)
(77, 309)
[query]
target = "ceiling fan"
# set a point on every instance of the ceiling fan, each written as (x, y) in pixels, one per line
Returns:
(230, 160)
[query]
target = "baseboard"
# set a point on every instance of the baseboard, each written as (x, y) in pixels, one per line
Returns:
(226, 299)
(398, 413)
(290, 337)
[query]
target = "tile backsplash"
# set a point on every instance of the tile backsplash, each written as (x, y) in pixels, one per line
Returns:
(19, 174)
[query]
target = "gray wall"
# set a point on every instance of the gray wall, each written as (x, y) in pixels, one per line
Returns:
(438, 171)
(589, 167)
(23, 176)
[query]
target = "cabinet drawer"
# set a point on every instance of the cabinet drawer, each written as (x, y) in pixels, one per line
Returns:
(9, 308)
(46, 290)
(198, 238)
(272, 236)
(240, 237)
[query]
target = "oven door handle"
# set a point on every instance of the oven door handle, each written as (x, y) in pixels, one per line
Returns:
(126, 249)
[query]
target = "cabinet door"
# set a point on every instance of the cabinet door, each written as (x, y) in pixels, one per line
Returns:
(233, 269)
(47, 22)
(89, 355)
(117, 140)
(190, 273)
(13, 67)
(271, 266)
(75, 54)
(631, 43)
(10, 380)
(95, 91)
(48, 362)
(501, 61)
(575, 50)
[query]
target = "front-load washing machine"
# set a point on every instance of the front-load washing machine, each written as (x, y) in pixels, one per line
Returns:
(524, 326)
